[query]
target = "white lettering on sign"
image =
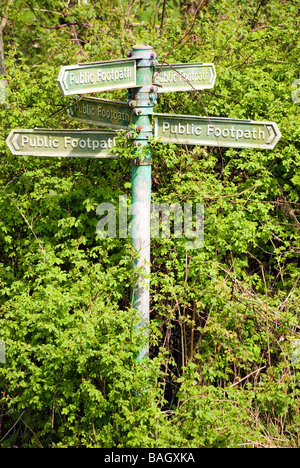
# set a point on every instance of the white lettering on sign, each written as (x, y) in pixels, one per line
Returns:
(88, 143)
(85, 108)
(69, 142)
(230, 133)
(39, 142)
(83, 77)
(182, 129)
(193, 76)
(236, 133)
(113, 114)
(114, 75)
(86, 77)
(91, 110)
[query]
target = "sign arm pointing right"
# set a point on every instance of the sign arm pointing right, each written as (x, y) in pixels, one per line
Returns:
(214, 131)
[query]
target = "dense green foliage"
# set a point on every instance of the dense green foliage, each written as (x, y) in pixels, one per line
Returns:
(223, 317)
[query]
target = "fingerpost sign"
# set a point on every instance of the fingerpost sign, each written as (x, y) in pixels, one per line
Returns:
(143, 77)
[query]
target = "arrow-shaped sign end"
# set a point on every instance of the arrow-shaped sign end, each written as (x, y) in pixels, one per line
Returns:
(62, 80)
(274, 135)
(12, 143)
(271, 135)
(71, 111)
(213, 75)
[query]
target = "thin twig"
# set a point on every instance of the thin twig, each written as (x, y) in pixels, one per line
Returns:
(26, 220)
(262, 3)
(4, 18)
(34, 435)
(163, 16)
(13, 426)
(244, 378)
(186, 33)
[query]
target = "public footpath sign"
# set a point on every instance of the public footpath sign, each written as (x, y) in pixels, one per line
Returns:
(98, 76)
(215, 131)
(61, 143)
(102, 113)
(143, 77)
(184, 77)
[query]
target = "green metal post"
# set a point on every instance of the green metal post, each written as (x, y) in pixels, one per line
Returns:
(142, 99)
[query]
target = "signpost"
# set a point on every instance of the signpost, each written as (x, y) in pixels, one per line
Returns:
(143, 78)
(216, 131)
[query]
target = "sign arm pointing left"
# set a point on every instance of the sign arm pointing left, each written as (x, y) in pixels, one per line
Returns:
(62, 143)
(14, 141)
